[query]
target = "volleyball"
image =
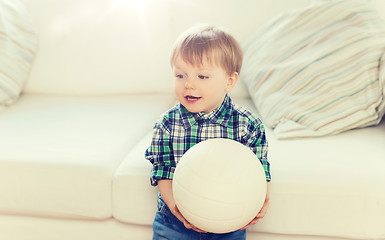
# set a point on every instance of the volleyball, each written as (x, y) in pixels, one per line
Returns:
(219, 185)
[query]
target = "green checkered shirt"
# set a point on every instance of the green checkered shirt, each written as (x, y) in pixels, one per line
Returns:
(178, 130)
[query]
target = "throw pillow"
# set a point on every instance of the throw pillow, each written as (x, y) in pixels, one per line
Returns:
(316, 71)
(17, 49)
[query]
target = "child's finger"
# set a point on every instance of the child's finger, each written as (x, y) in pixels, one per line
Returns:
(263, 210)
(252, 222)
(265, 206)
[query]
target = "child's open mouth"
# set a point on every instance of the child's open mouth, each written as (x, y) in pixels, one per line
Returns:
(192, 98)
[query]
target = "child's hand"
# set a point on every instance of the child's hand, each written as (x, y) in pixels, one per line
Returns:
(188, 225)
(261, 213)
(165, 188)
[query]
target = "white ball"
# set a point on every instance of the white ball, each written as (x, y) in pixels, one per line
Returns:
(219, 185)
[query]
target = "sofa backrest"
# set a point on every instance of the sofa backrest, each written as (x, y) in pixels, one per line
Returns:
(100, 46)
(123, 46)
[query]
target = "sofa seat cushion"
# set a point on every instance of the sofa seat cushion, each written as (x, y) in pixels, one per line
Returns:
(59, 153)
(328, 186)
(134, 199)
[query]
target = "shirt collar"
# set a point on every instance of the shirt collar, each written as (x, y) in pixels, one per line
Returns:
(220, 115)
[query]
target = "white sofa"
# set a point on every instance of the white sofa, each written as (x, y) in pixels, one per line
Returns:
(72, 147)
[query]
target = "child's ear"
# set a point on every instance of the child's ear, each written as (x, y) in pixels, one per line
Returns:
(233, 79)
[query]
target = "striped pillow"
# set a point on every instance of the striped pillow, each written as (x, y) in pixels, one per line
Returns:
(316, 71)
(17, 49)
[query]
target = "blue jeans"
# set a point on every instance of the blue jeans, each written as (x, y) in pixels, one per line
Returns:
(167, 226)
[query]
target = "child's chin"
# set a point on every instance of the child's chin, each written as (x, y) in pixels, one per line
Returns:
(193, 110)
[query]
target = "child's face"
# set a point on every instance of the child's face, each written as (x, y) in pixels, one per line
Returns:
(201, 88)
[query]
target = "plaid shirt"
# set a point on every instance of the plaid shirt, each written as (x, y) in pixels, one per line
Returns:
(180, 129)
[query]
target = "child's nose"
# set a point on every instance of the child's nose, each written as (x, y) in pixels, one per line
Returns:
(189, 83)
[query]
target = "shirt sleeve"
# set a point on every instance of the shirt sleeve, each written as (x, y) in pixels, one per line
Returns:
(258, 143)
(160, 154)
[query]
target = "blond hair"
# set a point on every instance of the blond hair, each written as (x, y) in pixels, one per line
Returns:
(212, 43)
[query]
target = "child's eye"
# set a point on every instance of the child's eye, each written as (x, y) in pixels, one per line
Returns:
(179, 76)
(203, 77)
